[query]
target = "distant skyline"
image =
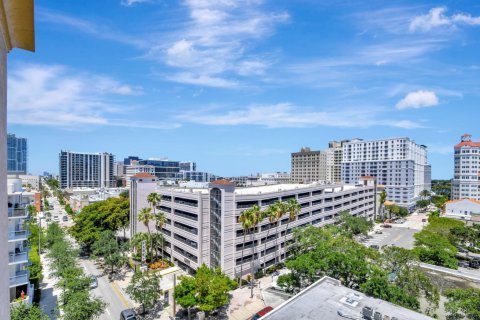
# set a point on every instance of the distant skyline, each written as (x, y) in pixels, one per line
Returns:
(238, 85)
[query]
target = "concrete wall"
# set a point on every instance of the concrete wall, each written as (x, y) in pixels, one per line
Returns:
(4, 282)
(462, 209)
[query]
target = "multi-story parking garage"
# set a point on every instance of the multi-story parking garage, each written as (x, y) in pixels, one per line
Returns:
(202, 224)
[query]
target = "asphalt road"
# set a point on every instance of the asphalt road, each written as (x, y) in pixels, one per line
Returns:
(108, 291)
(397, 235)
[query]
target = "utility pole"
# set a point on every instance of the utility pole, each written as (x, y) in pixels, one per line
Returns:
(173, 296)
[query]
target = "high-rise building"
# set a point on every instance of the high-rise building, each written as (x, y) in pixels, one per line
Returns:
(18, 233)
(309, 166)
(466, 177)
(164, 169)
(129, 159)
(16, 154)
(91, 170)
(334, 161)
(188, 166)
(202, 223)
(135, 168)
(398, 163)
(16, 31)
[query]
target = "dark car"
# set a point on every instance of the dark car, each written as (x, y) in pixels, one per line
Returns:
(128, 314)
(261, 313)
(475, 264)
(375, 247)
(65, 218)
(463, 264)
(386, 225)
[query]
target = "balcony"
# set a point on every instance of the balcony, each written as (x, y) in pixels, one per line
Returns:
(17, 213)
(18, 257)
(19, 235)
(20, 278)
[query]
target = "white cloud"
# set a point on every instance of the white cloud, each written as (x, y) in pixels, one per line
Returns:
(285, 115)
(202, 80)
(129, 3)
(418, 99)
(436, 17)
(89, 27)
(215, 42)
(53, 95)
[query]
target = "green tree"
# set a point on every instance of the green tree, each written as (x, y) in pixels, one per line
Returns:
(270, 214)
(153, 199)
(246, 220)
(354, 225)
(109, 250)
(144, 288)
(110, 214)
(81, 306)
(212, 287)
(422, 203)
(185, 293)
(425, 194)
(435, 249)
(160, 221)
(24, 311)
(383, 198)
(463, 304)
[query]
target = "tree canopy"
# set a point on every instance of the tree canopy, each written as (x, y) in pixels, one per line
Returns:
(463, 304)
(25, 311)
(354, 225)
(208, 290)
(111, 214)
(391, 275)
(144, 288)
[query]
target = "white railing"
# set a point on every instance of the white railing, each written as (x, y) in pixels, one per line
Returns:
(20, 278)
(21, 257)
(18, 235)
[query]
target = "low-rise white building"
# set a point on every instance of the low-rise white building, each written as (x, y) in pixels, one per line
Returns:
(462, 209)
(81, 198)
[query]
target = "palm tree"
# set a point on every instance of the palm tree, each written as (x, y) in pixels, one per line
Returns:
(153, 199)
(257, 216)
(246, 220)
(280, 210)
(425, 194)
(293, 209)
(160, 221)
(145, 216)
(383, 198)
(270, 214)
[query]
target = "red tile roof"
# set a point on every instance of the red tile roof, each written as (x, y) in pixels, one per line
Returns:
(467, 143)
(222, 182)
(143, 175)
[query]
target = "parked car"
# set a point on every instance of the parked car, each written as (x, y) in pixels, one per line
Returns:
(463, 264)
(93, 282)
(375, 246)
(379, 232)
(475, 264)
(400, 221)
(128, 314)
(386, 225)
(261, 313)
(65, 218)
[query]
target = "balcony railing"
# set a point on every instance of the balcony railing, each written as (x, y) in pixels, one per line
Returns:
(18, 235)
(21, 257)
(17, 212)
(20, 278)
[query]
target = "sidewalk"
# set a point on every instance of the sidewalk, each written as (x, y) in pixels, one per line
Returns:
(49, 294)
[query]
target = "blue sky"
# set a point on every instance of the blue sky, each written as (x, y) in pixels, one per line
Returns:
(238, 85)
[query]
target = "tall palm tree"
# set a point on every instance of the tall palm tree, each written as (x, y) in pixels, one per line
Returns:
(270, 214)
(257, 216)
(425, 194)
(153, 199)
(383, 198)
(145, 216)
(160, 221)
(280, 210)
(293, 209)
(246, 220)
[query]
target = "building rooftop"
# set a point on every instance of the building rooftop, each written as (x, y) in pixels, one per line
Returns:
(327, 299)
(143, 175)
(461, 200)
(266, 189)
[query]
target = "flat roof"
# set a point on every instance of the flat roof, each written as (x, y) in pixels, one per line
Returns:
(266, 189)
(327, 299)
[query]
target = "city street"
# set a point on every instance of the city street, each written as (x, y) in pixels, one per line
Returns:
(108, 291)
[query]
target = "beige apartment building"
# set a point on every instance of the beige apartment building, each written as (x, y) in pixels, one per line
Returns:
(309, 166)
(17, 31)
